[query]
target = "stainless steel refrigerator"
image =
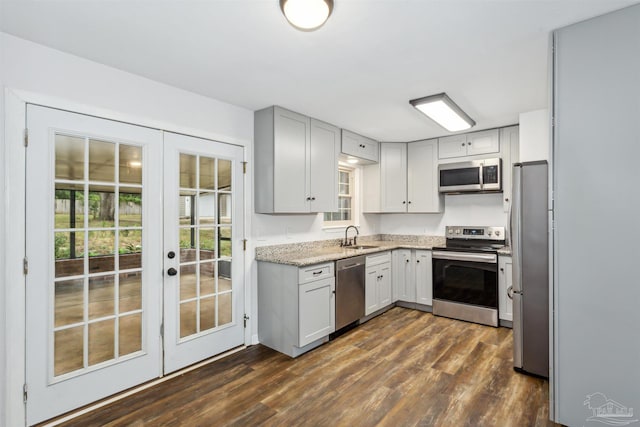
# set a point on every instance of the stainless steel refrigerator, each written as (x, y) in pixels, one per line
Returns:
(530, 256)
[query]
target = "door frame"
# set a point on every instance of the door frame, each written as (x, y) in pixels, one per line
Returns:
(14, 196)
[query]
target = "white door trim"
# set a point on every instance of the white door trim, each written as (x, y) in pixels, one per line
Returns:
(14, 196)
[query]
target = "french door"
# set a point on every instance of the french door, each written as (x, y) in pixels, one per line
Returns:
(203, 231)
(102, 286)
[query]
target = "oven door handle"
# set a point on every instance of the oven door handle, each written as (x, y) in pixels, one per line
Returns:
(466, 256)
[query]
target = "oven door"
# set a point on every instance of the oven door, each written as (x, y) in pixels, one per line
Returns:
(457, 177)
(466, 278)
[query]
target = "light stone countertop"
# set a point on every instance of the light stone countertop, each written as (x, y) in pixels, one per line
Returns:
(309, 253)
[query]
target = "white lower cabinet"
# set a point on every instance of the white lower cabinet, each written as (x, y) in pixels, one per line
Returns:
(505, 281)
(412, 276)
(296, 306)
(316, 310)
(424, 278)
(377, 285)
(404, 288)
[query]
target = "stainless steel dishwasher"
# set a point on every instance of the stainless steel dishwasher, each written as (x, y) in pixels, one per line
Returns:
(350, 275)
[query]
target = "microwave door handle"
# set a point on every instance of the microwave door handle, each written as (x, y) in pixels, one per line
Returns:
(481, 171)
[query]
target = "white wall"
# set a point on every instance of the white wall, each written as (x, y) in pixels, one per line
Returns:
(277, 229)
(56, 78)
(459, 209)
(535, 134)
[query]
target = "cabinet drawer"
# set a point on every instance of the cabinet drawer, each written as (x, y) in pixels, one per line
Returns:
(315, 272)
(359, 146)
(380, 258)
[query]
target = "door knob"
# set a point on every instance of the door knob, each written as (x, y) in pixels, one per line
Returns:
(171, 255)
(172, 271)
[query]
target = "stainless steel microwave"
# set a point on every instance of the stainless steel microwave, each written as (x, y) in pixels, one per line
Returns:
(472, 176)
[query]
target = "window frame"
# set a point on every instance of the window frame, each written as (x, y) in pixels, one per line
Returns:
(353, 195)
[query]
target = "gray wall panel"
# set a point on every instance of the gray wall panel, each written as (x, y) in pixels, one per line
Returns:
(597, 211)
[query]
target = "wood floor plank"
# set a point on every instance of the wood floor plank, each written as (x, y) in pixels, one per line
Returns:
(402, 368)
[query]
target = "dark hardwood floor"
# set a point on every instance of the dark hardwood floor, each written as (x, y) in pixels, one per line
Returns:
(402, 368)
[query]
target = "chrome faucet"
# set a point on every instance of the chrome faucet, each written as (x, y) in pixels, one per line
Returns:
(346, 241)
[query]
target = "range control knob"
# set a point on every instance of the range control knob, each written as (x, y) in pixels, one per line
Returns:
(497, 232)
(458, 231)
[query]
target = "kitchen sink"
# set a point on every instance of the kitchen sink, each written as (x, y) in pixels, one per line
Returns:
(360, 247)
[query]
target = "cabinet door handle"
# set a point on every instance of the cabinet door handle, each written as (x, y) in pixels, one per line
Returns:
(315, 273)
(313, 198)
(510, 292)
(506, 199)
(407, 260)
(308, 198)
(409, 201)
(502, 270)
(404, 202)
(418, 260)
(468, 143)
(463, 144)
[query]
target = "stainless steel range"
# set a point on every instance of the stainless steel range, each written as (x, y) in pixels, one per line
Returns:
(465, 274)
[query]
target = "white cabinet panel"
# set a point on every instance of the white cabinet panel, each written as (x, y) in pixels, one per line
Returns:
(422, 177)
(393, 175)
(452, 146)
(290, 177)
(384, 285)
(323, 169)
(484, 142)
(316, 310)
(378, 293)
(371, 291)
(469, 144)
(424, 279)
(403, 276)
(509, 141)
(359, 146)
(505, 280)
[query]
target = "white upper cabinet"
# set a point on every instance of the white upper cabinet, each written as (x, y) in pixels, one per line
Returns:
(509, 140)
(422, 177)
(393, 177)
(325, 143)
(360, 146)
(296, 163)
(452, 146)
(290, 161)
(401, 182)
(470, 144)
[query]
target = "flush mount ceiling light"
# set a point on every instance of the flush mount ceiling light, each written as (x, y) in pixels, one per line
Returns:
(442, 110)
(306, 15)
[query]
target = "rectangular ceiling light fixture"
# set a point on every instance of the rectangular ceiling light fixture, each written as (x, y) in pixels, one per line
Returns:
(442, 110)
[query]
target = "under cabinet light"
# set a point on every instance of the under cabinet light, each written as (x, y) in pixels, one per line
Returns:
(306, 15)
(442, 110)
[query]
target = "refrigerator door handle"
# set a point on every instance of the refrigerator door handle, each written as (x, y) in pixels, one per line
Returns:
(516, 232)
(510, 292)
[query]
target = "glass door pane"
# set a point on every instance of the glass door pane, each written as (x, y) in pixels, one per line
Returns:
(204, 230)
(97, 250)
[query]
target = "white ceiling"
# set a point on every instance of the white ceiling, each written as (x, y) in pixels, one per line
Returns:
(358, 71)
